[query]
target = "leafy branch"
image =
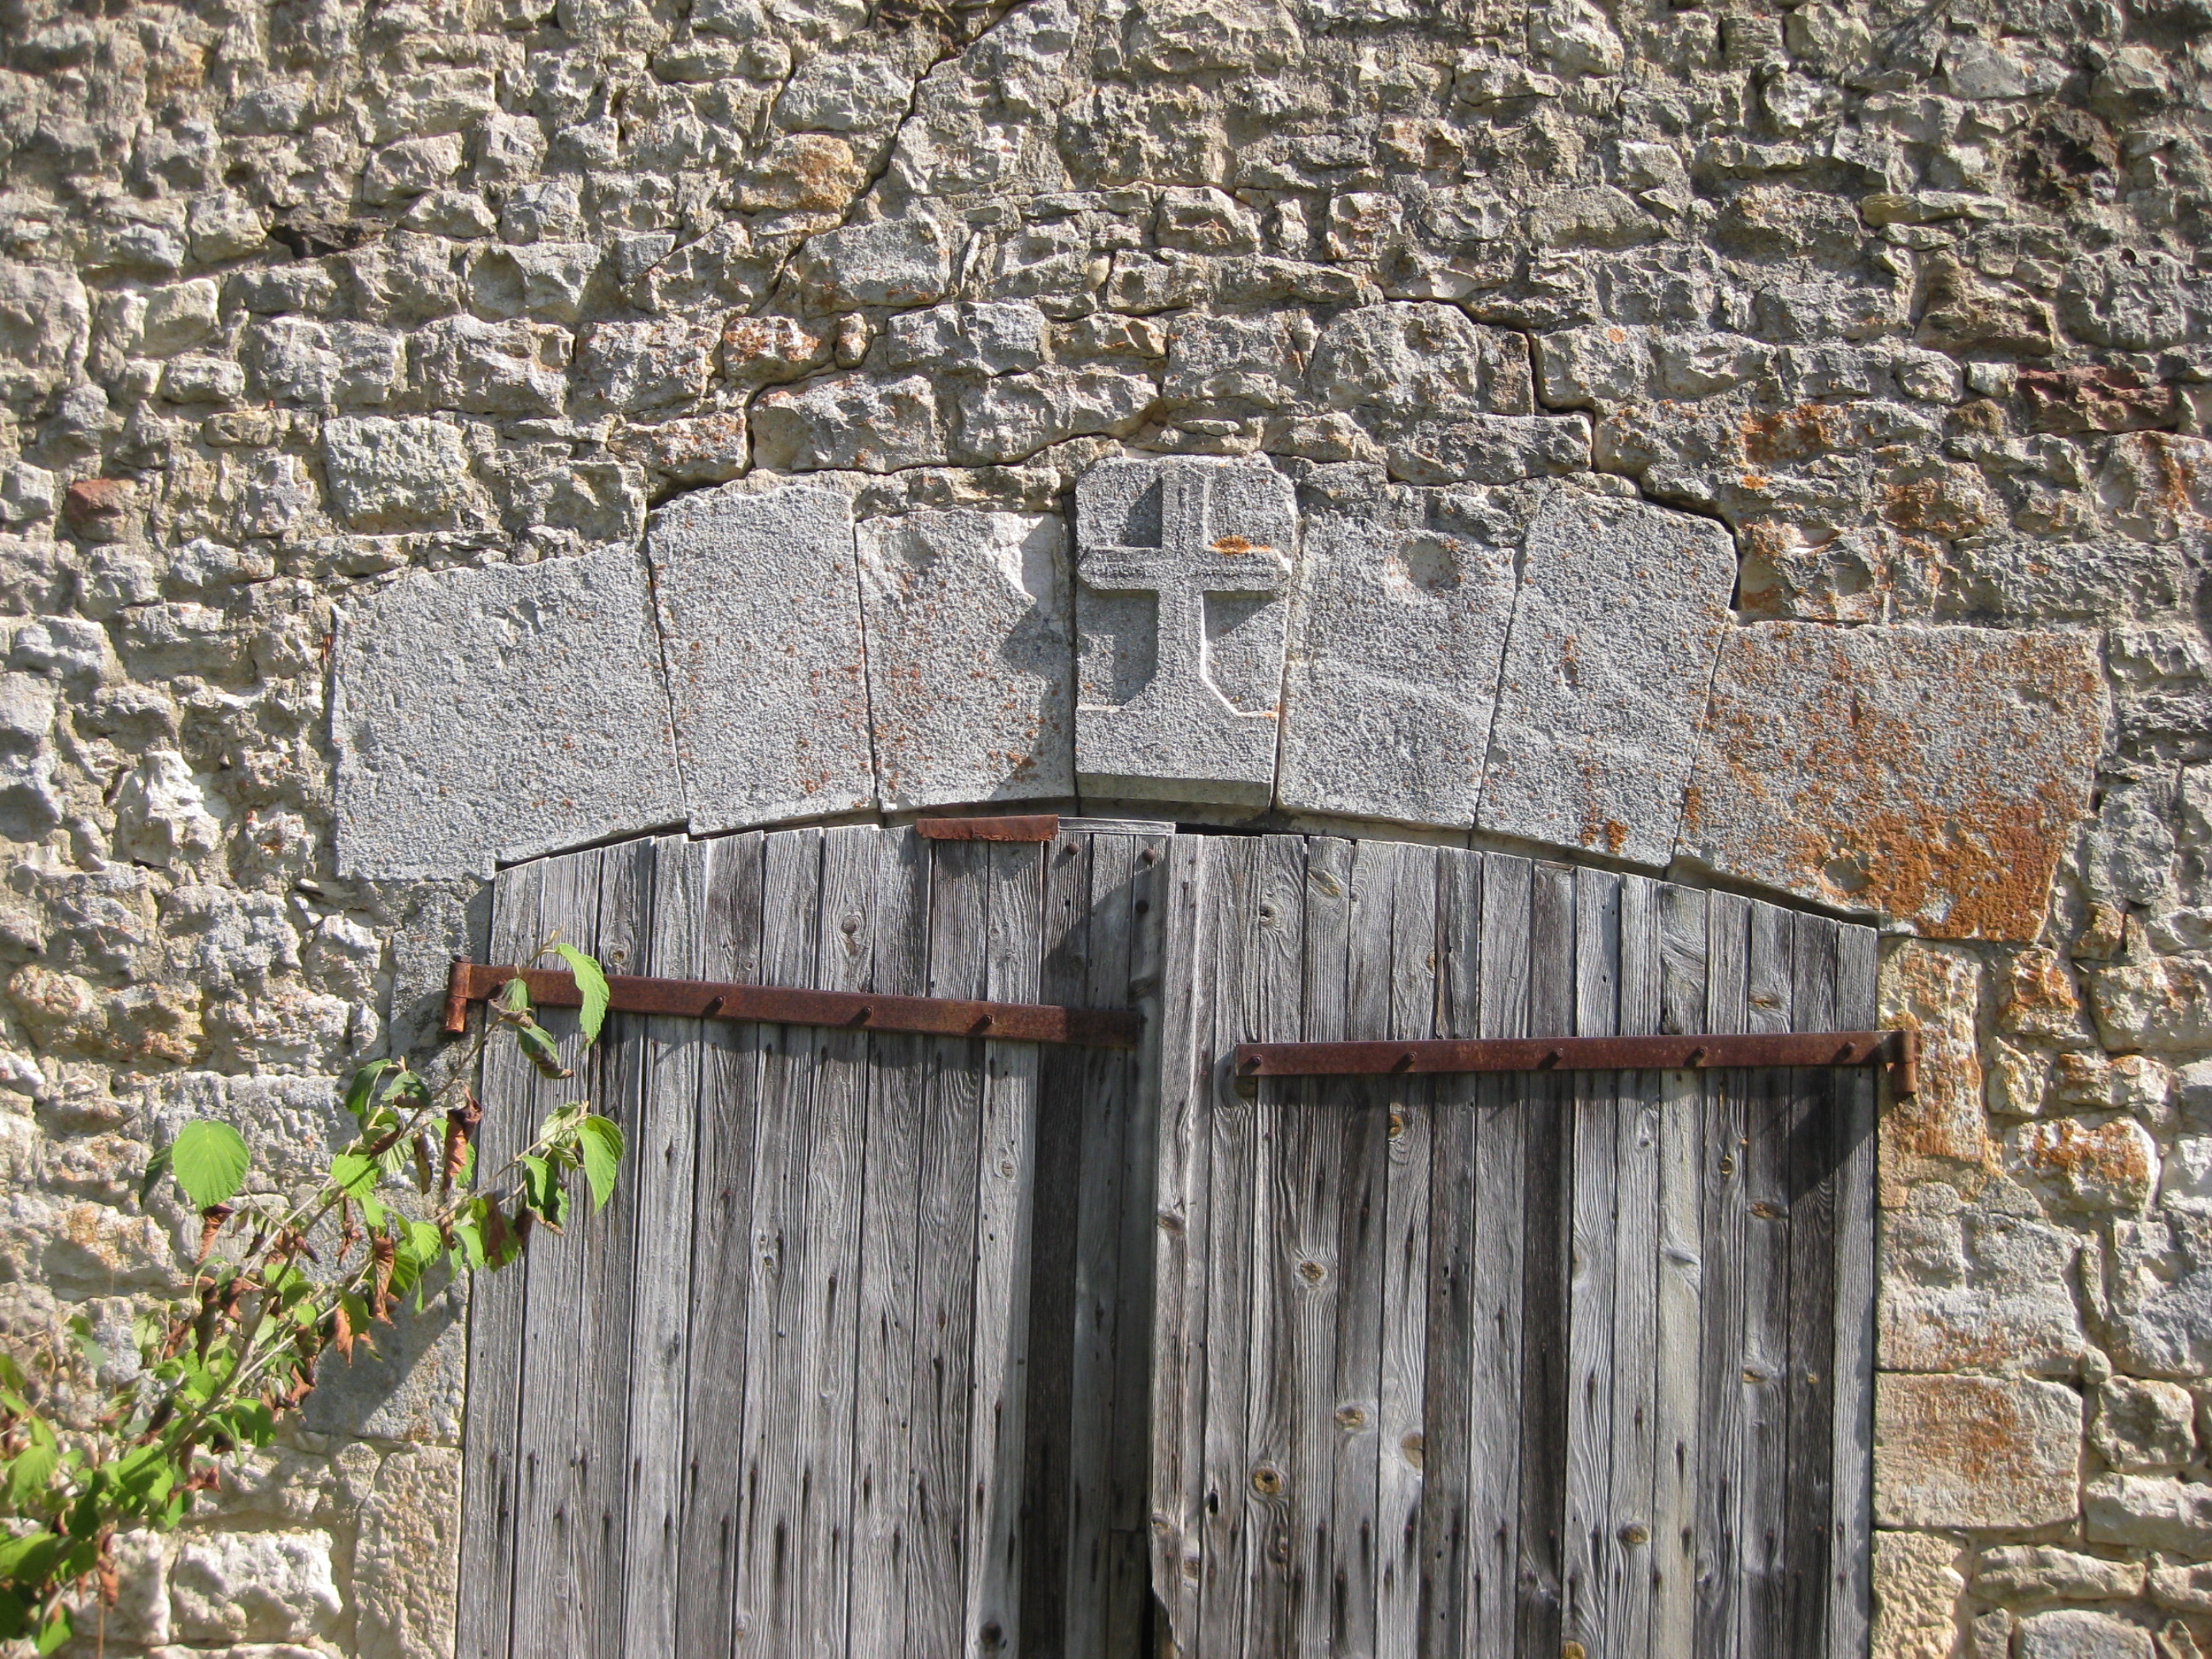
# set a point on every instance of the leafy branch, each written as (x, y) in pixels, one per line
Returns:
(277, 1284)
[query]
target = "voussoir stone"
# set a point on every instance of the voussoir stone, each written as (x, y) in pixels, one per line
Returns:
(1184, 568)
(760, 607)
(1395, 675)
(1934, 774)
(970, 670)
(1975, 1451)
(485, 716)
(1621, 608)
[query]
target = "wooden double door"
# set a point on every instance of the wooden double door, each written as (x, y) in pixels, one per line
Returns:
(934, 1347)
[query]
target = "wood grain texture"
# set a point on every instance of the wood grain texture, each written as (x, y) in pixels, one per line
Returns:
(1495, 1364)
(1449, 1526)
(1810, 1172)
(770, 1596)
(1005, 1181)
(1721, 1426)
(1761, 1519)
(1851, 1586)
(1629, 1584)
(883, 1368)
(1178, 1294)
(729, 943)
(1679, 1470)
(945, 1264)
(496, 1313)
(1399, 1442)
(556, 1518)
(662, 1153)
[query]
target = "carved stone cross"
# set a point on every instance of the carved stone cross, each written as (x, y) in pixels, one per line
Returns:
(1184, 565)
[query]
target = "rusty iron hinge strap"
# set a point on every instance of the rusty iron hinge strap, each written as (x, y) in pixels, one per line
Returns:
(776, 1004)
(1898, 1049)
(1035, 826)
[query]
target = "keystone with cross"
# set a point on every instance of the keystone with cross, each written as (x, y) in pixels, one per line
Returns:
(1203, 724)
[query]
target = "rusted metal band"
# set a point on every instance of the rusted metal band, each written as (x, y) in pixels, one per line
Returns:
(1037, 826)
(1900, 1049)
(774, 1005)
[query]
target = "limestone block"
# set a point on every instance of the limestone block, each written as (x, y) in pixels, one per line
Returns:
(2143, 1427)
(1184, 571)
(410, 1386)
(394, 475)
(1975, 1451)
(1933, 774)
(1395, 675)
(2163, 1003)
(1008, 420)
(2147, 1512)
(44, 324)
(514, 368)
(853, 420)
(760, 605)
(2186, 1588)
(28, 805)
(259, 1586)
(971, 680)
(162, 814)
(2106, 1166)
(488, 715)
(1917, 1586)
(405, 1565)
(2160, 1311)
(2036, 1572)
(998, 336)
(2077, 1633)
(1969, 1288)
(1401, 363)
(893, 262)
(1621, 607)
(1492, 449)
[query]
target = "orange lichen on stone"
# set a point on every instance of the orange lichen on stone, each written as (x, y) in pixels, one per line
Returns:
(2037, 999)
(1942, 1131)
(1931, 775)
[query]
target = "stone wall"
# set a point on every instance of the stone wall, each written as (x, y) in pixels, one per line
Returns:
(301, 302)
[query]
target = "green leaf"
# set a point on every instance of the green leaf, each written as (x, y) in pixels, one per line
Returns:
(515, 999)
(601, 1140)
(34, 1467)
(210, 1161)
(156, 1167)
(361, 1091)
(54, 1631)
(353, 1175)
(592, 984)
(537, 1049)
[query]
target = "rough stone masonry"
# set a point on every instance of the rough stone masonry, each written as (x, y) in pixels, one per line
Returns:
(1862, 343)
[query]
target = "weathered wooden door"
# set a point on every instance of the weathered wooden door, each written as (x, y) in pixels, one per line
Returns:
(856, 1361)
(1522, 1365)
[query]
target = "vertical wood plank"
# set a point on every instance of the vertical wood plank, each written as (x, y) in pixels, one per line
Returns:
(1631, 1588)
(1678, 1472)
(883, 1426)
(1178, 1293)
(608, 1244)
(662, 1153)
(496, 1306)
(1105, 1598)
(1281, 1121)
(1078, 1112)
(944, 1264)
(1306, 1239)
(555, 1519)
(1765, 1358)
(829, 1271)
(721, 1229)
(1401, 1445)
(1809, 1165)
(1448, 1524)
(770, 1596)
(1589, 1548)
(1851, 1590)
(1363, 1128)
(1232, 1224)
(1548, 1209)
(1721, 1426)
(1005, 1176)
(1130, 1626)
(1494, 1385)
